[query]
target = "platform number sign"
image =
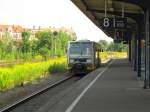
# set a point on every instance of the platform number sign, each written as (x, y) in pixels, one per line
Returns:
(106, 22)
(114, 22)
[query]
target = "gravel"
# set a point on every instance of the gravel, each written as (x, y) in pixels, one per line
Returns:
(12, 95)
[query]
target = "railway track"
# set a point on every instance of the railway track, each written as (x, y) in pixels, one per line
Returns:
(33, 102)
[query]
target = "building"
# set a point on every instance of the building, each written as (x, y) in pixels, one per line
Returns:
(70, 31)
(14, 31)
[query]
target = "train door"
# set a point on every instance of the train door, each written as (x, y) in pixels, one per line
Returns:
(97, 56)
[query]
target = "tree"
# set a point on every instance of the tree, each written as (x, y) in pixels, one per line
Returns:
(44, 43)
(119, 47)
(103, 44)
(26, 45)
(7, 46)
(64, 38)
(44, 39)
(7, 43)
(44, 52)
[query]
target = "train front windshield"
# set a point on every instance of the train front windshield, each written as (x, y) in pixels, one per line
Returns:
(80, 49)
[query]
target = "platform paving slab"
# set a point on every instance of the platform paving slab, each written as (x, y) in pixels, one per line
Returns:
(116, 90)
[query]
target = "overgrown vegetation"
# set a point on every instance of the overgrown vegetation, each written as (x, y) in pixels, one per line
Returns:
(113, 47)
(112, 50)
(44, 44)
(41, 49)
(115, 55)
(27, 72)
(20, 74)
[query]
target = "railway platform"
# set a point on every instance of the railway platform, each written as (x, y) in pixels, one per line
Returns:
(113, 88)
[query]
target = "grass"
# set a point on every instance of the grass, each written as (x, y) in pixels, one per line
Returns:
(22, 73)
(27, 72)
(107, 55)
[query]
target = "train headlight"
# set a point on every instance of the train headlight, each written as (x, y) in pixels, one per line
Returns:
(71, 60)
(89, 61)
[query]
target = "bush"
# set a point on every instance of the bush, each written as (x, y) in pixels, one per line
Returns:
(44, 52)
(19, 74)
(38, 57)
(107, 55)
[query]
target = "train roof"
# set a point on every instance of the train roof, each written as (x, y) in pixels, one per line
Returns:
(86, 41)
(82, 41)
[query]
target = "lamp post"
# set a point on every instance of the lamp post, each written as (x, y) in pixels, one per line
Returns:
(55, 33)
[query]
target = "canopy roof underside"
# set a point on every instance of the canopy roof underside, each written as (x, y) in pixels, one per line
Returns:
(95, 9)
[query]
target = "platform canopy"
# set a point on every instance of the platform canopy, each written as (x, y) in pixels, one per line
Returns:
(97, 10)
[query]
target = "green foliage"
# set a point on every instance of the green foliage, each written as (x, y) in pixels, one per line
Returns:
(7, 44)
(20, 74)
(44, 52)
(103, 44)
(118, 47)
(38, 58)
(64, 38)
(46, 44)
(108, 55)
(25, 44)
(44, 39)
(7, 47)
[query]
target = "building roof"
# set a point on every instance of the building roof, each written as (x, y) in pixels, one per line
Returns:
(14, 28)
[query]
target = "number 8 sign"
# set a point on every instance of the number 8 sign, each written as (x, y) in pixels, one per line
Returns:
(106, 22)
(113, 23)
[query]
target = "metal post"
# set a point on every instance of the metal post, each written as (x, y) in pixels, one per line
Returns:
(105, 8)
(147, 75)
(123, 10)
(135, 53)
(139, 52)
(54, 46)
(55, 33)
(129, 52)
(139, 58)
(132, 52)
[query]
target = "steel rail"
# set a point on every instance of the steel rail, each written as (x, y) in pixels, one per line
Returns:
(22, 101)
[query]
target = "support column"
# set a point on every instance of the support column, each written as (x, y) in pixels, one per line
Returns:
(132, 52)
(147, 72)
(139, 52)
(129, 51)
(135, 53)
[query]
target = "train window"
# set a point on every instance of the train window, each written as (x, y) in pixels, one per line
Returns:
(80, 49)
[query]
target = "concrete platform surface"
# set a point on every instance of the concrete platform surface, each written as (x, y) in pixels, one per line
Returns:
(114, 88)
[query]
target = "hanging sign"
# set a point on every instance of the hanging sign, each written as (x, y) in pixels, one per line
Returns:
(120, 23)
(111, 23)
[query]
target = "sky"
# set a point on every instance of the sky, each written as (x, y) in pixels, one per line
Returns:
(45, 13)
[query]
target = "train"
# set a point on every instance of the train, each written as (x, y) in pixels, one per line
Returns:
(83, 56)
